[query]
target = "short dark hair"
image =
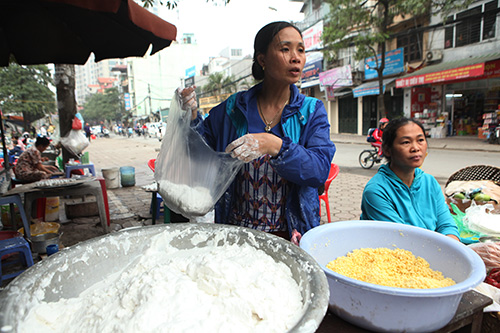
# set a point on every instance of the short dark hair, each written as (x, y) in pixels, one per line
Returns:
(42, 141)
(262, 40)
(390, 132)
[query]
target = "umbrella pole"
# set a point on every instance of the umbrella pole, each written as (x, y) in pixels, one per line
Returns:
(5, 152)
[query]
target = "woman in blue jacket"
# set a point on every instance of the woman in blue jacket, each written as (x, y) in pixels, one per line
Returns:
(400, 191)
(283, 136)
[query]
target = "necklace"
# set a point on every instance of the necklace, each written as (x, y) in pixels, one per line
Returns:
(269, 123)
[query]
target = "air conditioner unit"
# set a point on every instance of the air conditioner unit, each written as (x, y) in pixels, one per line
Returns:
(434, 55)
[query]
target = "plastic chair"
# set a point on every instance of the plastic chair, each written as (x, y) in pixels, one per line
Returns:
(334, 171)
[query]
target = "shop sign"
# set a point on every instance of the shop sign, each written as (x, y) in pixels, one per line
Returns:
(191, 71)
(126, 99)
(312, 68)
(337, 77)
(312, 37)
(368, 90)
(492, 69)
(442, 76)
(394, 64)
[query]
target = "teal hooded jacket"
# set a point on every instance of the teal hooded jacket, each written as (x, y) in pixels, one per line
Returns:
(387, 198)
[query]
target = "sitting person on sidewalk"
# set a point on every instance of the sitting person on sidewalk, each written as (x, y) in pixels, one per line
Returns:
(400, 191)
(29, 167)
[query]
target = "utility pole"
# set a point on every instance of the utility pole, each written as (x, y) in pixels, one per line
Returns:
(149, 97)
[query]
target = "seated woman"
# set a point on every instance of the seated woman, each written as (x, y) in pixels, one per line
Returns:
(400, 191)
(29, 167)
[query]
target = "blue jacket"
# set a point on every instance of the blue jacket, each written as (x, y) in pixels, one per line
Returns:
(304, 159)
(387, 198)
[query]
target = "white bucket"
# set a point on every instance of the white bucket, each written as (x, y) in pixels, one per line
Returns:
(112, 177)
(52, 209)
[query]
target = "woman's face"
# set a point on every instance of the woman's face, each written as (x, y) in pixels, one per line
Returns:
(409, 148)
(285, 57)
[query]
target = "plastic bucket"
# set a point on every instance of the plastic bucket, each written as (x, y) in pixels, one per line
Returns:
(127, 175)
(52, 209)
(111, 177)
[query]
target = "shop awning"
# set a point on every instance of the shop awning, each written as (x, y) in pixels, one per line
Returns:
(370, 88)
(469, 68)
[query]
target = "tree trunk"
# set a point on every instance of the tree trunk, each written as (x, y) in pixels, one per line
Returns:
(66, 101)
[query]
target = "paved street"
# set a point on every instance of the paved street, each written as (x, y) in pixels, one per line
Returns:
(129, 206)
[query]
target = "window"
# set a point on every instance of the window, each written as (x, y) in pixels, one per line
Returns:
(471, 26)
(412, 44)
(490, 14)
(468, 30)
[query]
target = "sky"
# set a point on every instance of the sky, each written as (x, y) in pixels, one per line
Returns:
(217, 26)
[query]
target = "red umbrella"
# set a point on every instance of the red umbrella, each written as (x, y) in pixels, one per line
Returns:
(67, 31)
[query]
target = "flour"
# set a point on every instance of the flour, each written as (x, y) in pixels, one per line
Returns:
(213, 288)
(186, 200)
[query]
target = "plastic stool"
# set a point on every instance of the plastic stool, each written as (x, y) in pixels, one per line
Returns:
(90, 166)
(155, 208)
(15, 245)
(16, 199)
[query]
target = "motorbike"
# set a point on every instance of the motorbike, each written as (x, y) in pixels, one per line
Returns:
(494, 135)
(369, 157)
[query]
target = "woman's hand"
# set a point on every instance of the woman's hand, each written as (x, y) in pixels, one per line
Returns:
(187, 98)
(251, 146)
(296, 236)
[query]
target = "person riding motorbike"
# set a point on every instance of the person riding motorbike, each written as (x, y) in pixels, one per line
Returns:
(377, 135)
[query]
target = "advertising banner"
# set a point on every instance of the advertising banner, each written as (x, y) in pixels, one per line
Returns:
(312, 37)
(312, 68)
(442, 76)
(336, 77)
(126, 99)
(394, 64)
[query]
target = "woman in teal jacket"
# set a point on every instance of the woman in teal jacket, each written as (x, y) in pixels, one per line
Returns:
(400, 191)
(282, 135)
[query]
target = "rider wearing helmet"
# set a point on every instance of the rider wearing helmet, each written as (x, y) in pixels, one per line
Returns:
(377, 135)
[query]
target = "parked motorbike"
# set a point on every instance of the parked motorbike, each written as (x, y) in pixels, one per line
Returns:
(369, 157)
(494, 135)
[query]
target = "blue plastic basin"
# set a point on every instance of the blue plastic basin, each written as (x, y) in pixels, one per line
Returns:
(390, 309)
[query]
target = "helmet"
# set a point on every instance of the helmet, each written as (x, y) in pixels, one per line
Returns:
(384, 120)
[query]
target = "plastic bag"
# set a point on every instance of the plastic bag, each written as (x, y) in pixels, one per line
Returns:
(191, 176)
(489, 252)
(467, 236)
(75, 142)
(77, 123)
(479, 219)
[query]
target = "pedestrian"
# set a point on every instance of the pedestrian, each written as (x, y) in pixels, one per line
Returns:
(29, 167)
(88, 131)
(283, 136)
(400, 191)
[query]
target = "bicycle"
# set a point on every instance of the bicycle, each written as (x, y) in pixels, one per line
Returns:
(369, 157)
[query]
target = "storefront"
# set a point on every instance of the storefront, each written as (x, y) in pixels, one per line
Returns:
(460, 97)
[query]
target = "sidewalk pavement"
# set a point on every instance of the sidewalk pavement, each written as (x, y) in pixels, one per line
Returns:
(129, 206)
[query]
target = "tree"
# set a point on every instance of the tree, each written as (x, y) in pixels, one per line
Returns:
(25, 90)
(106, 106)
(218, 84)
(367, 26)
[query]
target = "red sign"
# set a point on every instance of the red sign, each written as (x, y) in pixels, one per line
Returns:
(442, 76)
(492, 69)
